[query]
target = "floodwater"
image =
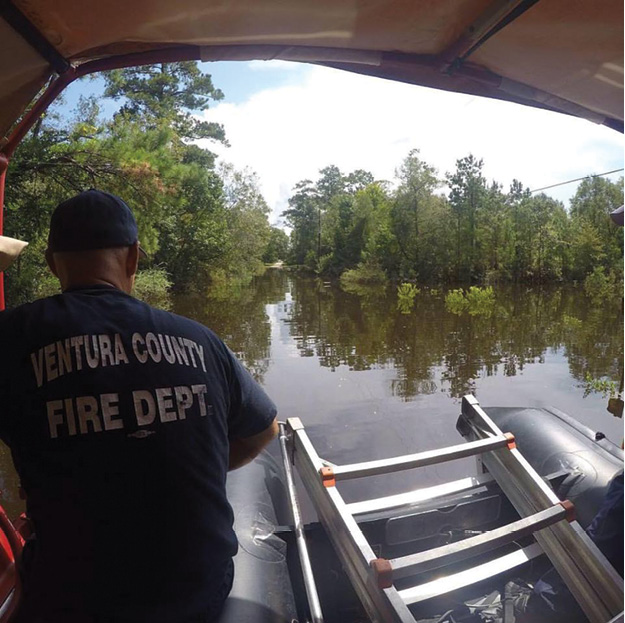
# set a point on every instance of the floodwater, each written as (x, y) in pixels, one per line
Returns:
(369, 380)
(333, 357)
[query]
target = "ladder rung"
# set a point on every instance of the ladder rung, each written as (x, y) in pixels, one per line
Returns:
(474, 546)
(421, 459)
(419, 495)
(470, 576)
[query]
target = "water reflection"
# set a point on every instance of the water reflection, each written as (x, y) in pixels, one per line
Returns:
(432, 349)
(370, 381)
(237, 314)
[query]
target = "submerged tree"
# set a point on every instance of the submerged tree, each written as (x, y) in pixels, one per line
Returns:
(413, 199)
(304, 219)
(247, 218)
(277, 248)
(467, 193)
(590, 208)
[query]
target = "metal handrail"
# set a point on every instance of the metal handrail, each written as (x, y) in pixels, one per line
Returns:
(309, 579)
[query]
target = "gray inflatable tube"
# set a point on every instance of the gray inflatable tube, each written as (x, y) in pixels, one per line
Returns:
(262, 590)
(553, 441)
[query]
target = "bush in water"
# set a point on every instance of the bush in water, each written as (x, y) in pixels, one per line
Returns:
(363, 273)
(455, 302)
(599, 285)
(406, 293)
(477, 301)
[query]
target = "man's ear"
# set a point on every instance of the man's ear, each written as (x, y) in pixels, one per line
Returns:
(132, 260)
(51, 263)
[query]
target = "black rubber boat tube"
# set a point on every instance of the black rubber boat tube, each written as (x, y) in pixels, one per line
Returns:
(309, 579)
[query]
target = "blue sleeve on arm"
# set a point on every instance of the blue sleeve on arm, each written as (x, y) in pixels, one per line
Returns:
(251, 410)
(606, 529)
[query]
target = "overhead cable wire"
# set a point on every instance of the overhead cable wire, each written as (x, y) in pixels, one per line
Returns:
(577, 179)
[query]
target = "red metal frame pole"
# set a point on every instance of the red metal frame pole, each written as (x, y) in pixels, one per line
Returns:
(4, 164)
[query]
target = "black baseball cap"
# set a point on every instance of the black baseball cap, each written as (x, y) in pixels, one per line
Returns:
(92, 220)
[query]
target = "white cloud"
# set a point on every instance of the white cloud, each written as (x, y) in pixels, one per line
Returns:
(288, 133)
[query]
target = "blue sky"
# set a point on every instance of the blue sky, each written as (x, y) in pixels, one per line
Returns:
(286, 121)
(238, 81)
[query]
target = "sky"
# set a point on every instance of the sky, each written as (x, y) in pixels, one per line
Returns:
(286, 121)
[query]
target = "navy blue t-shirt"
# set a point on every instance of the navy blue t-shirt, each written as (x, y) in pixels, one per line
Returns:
(118, 417)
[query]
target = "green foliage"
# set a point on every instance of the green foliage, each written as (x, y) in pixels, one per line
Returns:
(571, 322)
(477, 301)
(193, 220)
(154, 94)
(406, 293)
(477, 234)
(413, 205)
(407, 290)
(363, 274)
(208, 224)
(277, 247)
(304, 217)
(29, 278)
(432, 351)
(338, 221)
(605, 387)
(246, 213)
(599, 285)
(153, 286)
(467, 199)
(456, 302)
(480, 297)
(48, 286)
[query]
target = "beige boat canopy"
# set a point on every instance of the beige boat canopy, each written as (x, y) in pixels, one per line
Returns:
(562, 55)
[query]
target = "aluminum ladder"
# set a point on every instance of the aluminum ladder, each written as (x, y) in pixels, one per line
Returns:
(591, 579)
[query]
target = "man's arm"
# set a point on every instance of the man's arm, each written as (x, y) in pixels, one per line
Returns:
(245, 450)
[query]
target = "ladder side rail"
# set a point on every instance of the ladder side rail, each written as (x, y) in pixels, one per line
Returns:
(420, 459)
(426, 494)
(591, 579)
(447, 584)
(483, 426)
(309, 579)
(474, 546)
(514, 464)
(355, 553)
(588, 575)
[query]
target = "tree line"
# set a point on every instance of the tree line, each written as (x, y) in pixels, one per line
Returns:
(474, 232)
(205, 224)
(200, 222)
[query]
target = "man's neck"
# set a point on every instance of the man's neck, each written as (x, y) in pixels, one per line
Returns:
(86, 282)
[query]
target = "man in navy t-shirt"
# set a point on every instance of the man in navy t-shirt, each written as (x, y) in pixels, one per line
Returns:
(123, 421)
